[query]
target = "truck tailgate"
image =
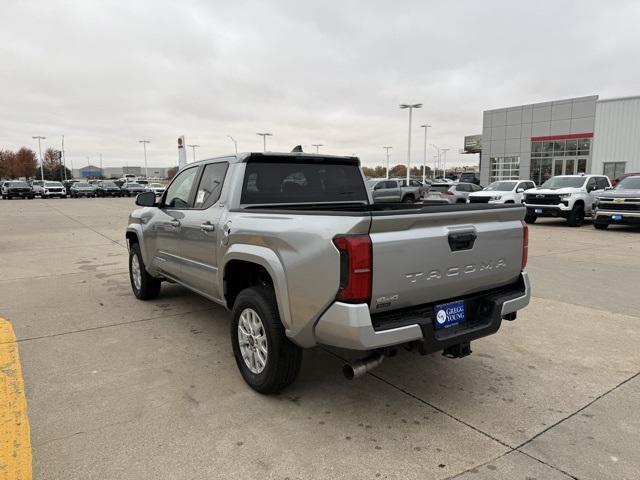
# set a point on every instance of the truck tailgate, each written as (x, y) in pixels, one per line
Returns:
(443, 254)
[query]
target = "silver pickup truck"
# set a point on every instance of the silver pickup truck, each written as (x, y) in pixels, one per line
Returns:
(295, 247)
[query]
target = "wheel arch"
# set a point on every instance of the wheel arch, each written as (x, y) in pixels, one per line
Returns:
(239, 258)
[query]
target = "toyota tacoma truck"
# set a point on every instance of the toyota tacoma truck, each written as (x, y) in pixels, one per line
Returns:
(294, 246)
(571, 197)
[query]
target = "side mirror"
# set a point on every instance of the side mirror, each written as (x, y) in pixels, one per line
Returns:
(146, 199)
(520, 190)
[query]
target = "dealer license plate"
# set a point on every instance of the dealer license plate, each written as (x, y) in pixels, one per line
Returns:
(538, 210)
(616, 217)
(449, 314)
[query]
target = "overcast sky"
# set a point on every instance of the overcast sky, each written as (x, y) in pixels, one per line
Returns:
(106, 74)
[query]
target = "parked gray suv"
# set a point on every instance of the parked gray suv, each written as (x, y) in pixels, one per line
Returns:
(295, 247)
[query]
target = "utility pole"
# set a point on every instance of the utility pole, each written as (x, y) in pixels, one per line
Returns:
(37, 137)
(317, 145)
(444, 162)
(410, 107)
(264, 139)
(101, 171)
(235, 144)
(387, 169)
(144, 146)
(193, 148)
(424, 161)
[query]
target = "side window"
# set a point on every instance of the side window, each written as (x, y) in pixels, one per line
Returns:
(177, 195)
(462, 188)
(476, 188)
(591, 184)
(602, 183)
(210, 184)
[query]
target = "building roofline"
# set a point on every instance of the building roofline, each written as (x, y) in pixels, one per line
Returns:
(616, 99)
(547, 102)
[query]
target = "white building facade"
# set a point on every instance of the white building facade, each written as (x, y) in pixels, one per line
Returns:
(577, 135)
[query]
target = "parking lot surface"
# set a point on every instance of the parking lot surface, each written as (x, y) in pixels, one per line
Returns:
(122, 389)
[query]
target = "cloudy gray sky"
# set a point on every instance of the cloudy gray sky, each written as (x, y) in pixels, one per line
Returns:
(108, 73)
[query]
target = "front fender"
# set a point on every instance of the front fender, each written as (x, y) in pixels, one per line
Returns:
(268, 259)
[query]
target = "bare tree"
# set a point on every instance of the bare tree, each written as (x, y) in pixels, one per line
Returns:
(25, 163)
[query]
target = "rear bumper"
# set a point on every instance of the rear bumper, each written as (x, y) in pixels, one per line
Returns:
(350, 326)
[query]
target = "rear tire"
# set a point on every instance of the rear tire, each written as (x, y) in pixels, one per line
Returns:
(144, 286)
(276, 368)
(530, 218)
(576, 217)
(407, 199)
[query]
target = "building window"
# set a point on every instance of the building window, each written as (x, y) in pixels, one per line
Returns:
(613, 169)
(540, 170)
(504, 168)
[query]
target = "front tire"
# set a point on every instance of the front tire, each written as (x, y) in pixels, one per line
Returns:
(144, 286)
(530, 218)
(600, 225)
(576, 217)
(268, 361)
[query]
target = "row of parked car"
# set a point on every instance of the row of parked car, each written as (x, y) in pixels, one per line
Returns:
(75, 189)
(571, 197)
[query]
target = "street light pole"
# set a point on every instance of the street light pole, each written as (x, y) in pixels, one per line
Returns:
(64, 160)
(444, 162)
(264, 139)
(410, 107)
(144, 146)
(193, 147)
(436, 163)
(37, 137)
(317, 145)
(424, 161)
(234, 143)
(387, 149)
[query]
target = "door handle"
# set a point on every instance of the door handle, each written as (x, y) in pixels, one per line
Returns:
(175, 223)
(207, 227)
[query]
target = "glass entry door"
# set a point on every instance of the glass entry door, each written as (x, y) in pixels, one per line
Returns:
(557, 166)
(569, 166)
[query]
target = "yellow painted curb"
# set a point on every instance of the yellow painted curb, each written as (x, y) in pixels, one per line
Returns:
(15, 437)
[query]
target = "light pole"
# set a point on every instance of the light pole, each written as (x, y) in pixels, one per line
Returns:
(426, 126)
(436, 163)
(193, 147)
(317, 145)
(144, 146)
(444, 162)
(38, 137)
(410, 107)
(64, 160)
(101, 174)
(234, 143)
(387, 149)
(264, 139)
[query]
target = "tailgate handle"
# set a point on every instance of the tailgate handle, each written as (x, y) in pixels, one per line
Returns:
(461, 241)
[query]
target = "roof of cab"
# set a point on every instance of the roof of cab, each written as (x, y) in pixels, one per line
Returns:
(267, 156)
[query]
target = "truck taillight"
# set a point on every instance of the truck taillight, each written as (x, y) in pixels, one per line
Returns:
(355, 268)
(525, 245)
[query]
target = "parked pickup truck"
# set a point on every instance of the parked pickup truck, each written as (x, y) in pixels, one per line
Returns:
(394, 190)
(295, 247)
(619, 206)
(567, 196)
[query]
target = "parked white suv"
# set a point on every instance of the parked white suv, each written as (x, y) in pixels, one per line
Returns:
(567, 196)
(502, 191)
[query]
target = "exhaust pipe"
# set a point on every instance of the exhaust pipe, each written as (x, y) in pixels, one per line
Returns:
(360, 367)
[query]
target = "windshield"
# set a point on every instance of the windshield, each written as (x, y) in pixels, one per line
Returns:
(109, 184)
(371, 183)
(440, 188)
(629, 183)
(133, 185)
(564, 182)
(18, 184)
(52, 184)
(501, 186)
(82, 185)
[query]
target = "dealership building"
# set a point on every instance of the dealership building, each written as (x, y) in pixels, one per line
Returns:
(563, 137)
